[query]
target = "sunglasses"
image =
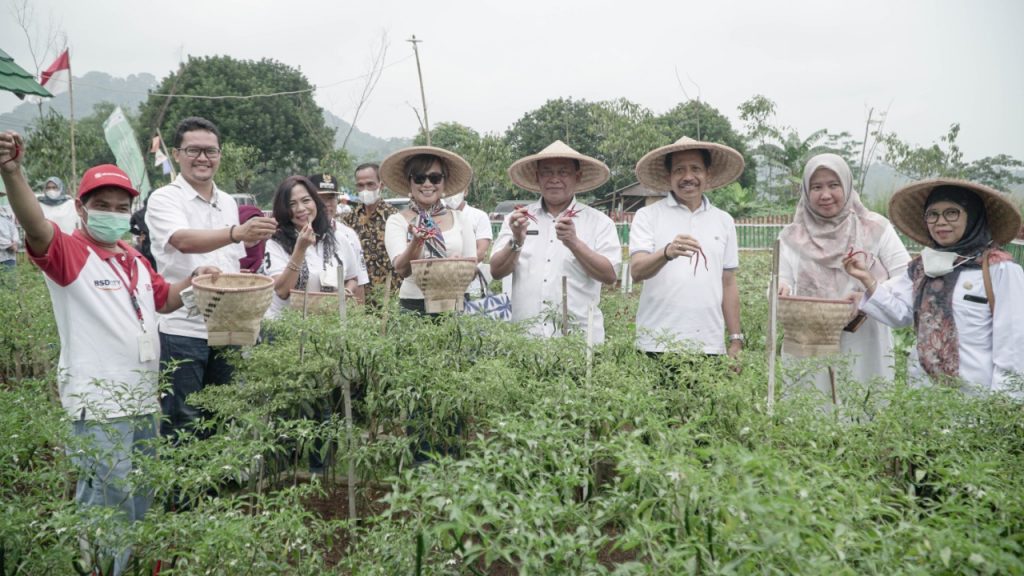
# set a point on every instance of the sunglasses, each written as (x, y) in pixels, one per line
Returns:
(434, 177)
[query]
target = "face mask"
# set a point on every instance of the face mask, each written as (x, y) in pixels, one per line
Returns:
(453, 202)
(53, 193)
(369, 196)
(107, 227)
(938, 263)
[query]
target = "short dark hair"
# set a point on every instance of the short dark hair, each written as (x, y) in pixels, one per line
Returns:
(365, 165)
(191, 124)
(704, 154)
(420, 163)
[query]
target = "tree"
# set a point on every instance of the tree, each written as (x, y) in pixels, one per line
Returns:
(565, 119)
(944, 159)
(236, 173)
(790, 152)
(286, 129)
(757, 113)
(49, 140)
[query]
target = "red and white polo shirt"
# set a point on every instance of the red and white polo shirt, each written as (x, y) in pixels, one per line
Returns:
(100, 374)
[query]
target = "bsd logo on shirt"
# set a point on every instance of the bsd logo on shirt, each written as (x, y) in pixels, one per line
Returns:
(108, 285)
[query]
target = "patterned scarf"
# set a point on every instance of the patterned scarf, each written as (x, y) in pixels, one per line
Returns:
(938, 342)
(425, 224)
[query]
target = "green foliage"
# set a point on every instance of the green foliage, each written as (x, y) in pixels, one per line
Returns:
(626, 464)
(288, 132)
(28, 342)
(237, 168)
(49, 145)
(944, 159)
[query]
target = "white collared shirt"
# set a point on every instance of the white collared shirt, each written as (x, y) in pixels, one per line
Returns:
(681, 304)
(178, 206)
(990, 345)
(481, 223)
(536, 285)
(276, 260)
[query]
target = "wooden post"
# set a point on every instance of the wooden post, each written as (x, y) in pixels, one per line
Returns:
(71, 106)
(423, 94)
(346, 390)
(773, 309)
(565, 305)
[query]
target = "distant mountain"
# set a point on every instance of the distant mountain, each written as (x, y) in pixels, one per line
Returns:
(90, 90)
(361, 146)
(130, 92)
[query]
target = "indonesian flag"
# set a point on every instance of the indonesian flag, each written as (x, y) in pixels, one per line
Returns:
(57, 77)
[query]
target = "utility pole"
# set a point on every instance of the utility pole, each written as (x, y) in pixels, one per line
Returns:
(423, 94)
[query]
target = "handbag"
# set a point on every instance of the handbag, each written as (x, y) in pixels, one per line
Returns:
(495, 306)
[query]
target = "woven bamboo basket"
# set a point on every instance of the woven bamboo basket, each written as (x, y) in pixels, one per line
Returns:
(232, 306)
(443, 282)
(319, 302)
(812, 326)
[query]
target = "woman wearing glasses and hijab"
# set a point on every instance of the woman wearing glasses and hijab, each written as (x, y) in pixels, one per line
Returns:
(829, 223)
(963, 294)
(427, 228)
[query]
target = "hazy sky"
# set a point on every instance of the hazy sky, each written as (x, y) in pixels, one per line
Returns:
(485, 64)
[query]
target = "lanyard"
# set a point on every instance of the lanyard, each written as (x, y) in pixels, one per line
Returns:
(131, 291)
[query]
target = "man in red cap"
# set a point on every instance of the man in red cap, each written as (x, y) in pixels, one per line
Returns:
(105, 298)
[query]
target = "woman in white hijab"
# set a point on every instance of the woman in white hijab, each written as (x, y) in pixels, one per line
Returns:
(58, 206)
(831, 223)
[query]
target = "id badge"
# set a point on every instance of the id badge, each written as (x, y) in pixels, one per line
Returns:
(147, 347)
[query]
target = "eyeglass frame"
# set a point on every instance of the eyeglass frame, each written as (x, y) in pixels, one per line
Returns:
(434, 177)
(932, 216)
(201, 151)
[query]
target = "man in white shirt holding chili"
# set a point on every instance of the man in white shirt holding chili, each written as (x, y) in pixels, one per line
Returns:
(688, 302)
(192, 222)
(557, 237)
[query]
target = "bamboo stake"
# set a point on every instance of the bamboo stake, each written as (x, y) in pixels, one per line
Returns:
(384, 306)
(346, 390)
(773, 309)
(565, 305)
(71, 105)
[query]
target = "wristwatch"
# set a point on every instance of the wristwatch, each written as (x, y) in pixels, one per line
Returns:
(515, 246)
(739, 337)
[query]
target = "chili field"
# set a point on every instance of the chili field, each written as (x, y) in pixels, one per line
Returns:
(546, 460)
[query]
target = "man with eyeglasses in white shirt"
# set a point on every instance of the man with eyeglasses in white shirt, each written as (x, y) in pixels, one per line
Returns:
(193, 223)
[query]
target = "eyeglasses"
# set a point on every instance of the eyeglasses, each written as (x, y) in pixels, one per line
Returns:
(434, 177)
(949, 215)
(194, 152)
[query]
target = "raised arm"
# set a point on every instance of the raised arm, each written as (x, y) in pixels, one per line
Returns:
(38, 232)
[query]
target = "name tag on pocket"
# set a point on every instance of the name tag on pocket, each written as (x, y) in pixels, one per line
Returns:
(973, 298)
(147, 347)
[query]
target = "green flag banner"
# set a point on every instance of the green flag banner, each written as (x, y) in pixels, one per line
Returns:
(121, 139)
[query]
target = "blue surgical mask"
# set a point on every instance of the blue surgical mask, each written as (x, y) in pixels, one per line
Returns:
(107, 227)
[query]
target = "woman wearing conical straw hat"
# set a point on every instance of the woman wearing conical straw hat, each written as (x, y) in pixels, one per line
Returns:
(427, 228)
(962, 294)
(831, 223)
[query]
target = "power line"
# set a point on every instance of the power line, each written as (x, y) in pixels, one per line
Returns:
(238, 96)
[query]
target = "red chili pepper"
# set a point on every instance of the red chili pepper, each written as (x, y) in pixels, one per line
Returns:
(527, 212)
(853, 253)
(698, 254)
(17, 153)
(572, 212)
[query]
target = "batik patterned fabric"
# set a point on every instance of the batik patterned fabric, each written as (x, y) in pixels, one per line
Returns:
(370, 229)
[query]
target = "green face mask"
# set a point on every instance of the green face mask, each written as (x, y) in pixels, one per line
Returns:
(107, 227)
